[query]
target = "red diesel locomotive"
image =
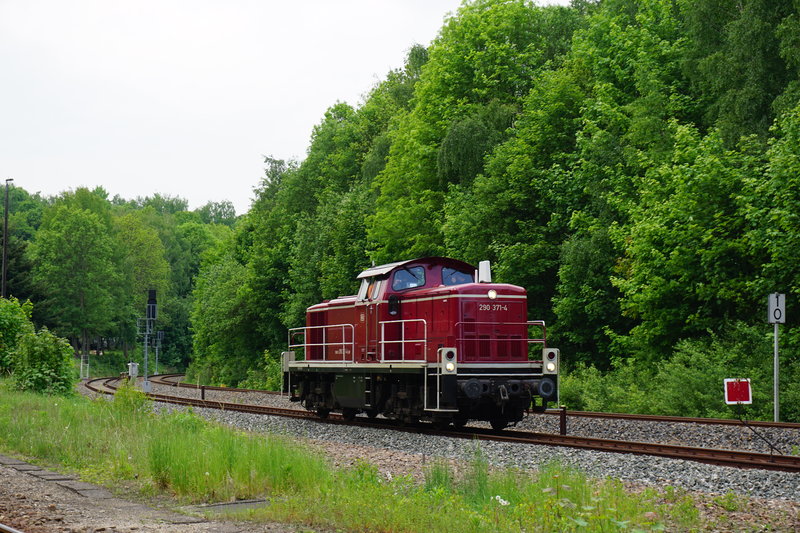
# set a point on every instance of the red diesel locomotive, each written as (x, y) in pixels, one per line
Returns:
(427, 339)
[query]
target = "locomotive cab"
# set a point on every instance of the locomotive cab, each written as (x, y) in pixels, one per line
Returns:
(431, 339)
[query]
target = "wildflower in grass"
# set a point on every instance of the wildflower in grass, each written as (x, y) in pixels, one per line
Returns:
(500, 500)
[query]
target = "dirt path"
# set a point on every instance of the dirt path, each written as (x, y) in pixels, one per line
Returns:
(34, 500)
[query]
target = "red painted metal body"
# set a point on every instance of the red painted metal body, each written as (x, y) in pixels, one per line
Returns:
(423, 339)
(427, 317)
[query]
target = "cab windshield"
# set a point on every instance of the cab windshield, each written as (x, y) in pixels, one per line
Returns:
(451, 276)
(408, 278)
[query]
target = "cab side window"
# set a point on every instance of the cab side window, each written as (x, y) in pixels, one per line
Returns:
(374, 289)
(370, 289)
(408, 278)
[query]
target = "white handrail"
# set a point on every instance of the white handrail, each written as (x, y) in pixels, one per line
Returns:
(325, 344)
(403, 340)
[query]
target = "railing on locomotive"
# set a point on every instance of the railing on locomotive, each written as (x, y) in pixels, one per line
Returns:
(533, 355)
(403, 341)
(324, 345)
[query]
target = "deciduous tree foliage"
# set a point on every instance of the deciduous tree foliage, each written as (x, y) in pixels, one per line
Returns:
(86, 262)
(73, 257)
(630, 162)
(484, 61)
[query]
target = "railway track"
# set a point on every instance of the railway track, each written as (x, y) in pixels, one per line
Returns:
(8, 529)
(732, 458)
(174, 381)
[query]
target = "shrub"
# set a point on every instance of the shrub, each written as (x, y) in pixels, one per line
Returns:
(690, 381)
(43, 363)
(623, 389)
(15, 320)
(268, 377)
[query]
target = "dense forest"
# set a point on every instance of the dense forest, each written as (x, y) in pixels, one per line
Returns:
(86, 261)
(633, 163)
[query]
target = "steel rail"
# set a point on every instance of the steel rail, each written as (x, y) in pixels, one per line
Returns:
(211, 404)
(163, 379)
(680, 419)
(733, 458)
(8, 529)
(722, 457)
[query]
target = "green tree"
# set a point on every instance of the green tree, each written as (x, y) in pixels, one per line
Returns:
(74, 266)
(221, 323)
(738, 62)
(142, 267)
(218, 213)
(25, 216)
(483, 63)
(688, 262)
(775, 221)
(163, 204)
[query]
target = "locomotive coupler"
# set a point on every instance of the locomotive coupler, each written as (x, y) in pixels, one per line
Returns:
(503, 392)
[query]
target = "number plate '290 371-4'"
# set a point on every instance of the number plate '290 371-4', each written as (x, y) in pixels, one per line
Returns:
(492, 307)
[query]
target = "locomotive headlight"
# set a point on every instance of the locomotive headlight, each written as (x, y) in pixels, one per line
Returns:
(492, 294)
(450, 367)
(551, 367)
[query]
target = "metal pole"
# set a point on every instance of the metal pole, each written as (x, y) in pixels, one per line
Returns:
(145, 383)
(775, 378)
(5, 241)
(159, 337)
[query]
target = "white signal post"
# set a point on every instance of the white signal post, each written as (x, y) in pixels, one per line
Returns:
(776, 314)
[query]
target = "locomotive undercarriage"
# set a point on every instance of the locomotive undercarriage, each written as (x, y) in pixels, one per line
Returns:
(500, 400)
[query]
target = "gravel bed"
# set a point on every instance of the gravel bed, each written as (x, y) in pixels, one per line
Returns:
(786, 441)
(654, 471)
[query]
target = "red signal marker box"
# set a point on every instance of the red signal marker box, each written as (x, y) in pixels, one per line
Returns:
(737, 391)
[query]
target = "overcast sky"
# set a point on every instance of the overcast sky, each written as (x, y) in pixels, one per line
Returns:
(184, 98)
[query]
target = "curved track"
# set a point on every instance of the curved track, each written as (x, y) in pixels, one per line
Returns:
(734, 458)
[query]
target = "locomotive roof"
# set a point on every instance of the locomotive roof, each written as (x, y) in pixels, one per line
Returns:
(385, 269)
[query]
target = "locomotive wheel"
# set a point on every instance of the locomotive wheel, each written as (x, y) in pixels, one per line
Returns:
(349, 413)
(440, 423)
(459, 422)
(372, 413)
(498, 422)
(323, 412)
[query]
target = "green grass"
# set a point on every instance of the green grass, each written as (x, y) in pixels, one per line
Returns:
(478, 500)
(181, 455)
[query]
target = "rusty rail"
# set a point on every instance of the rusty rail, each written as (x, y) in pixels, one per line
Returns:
(733, 458)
